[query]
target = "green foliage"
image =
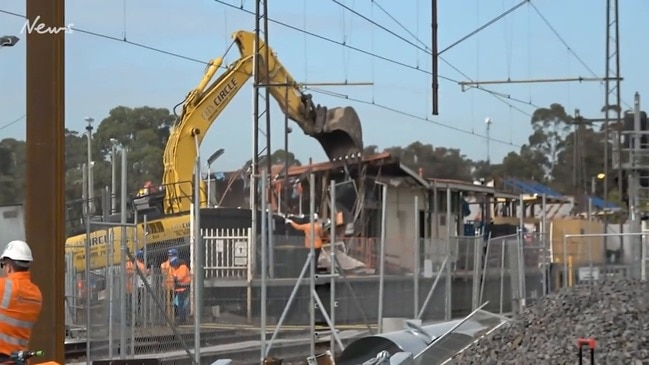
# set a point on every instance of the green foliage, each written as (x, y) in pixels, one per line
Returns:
(560, 151)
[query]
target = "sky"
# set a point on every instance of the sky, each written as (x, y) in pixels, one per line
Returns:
(395, 110)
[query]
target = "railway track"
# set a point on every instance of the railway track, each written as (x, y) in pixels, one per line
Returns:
(294, 352)
(157, 344)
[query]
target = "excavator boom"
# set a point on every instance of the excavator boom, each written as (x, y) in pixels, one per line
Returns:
(337, 129)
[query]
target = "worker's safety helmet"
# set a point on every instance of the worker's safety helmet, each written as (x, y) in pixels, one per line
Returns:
(315, 216)
(326, 224)
(139, 254)
(19, 252)
(172, 252)
(175, 261)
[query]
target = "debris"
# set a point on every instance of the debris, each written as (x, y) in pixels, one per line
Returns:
(614, 313)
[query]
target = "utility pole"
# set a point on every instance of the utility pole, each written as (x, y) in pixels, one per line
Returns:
(113, 175)
(45, 156)
(91, 180)
(488, 123)
(612, 103)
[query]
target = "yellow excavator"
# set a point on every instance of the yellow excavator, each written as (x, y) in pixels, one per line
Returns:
(338, 130)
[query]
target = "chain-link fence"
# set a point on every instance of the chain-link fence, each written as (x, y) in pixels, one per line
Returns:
(429, 280)
(123, 308)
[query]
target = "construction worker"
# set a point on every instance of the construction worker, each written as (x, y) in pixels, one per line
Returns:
(168, 281)
(317, 240)
(132, 277)
(182, 281)
(21, 299)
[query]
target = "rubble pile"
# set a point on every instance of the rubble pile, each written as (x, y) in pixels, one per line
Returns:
(614, 313)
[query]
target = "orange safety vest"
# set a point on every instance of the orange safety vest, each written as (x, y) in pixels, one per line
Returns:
(306, 228)
(130, 274)
(182, 277)
(165, 267)
(20, 305)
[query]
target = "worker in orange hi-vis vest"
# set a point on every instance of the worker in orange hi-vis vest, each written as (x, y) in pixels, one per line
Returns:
(168, 281)
(182, 282)
(132, 278)
(320, 235)
(21, 301)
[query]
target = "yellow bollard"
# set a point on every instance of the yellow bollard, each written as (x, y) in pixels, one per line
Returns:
(570, 272)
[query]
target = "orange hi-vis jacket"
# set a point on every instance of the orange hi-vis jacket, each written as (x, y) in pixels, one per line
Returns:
(306, 228)
(20, 305)
(182, 277)
(130, 274)
(165, 267)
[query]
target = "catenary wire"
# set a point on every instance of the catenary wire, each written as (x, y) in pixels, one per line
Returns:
(570, 49)
(426, 49)
(117, 39)
(7, 125)
(500, 96)
(413, 116)
(385, 107)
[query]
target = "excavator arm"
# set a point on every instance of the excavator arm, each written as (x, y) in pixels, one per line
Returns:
(338, 129)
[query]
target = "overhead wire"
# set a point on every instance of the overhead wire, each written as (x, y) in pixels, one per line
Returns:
(413, 116)
(499, 95)
(7, 125)
(187, 58)
(117, 39)
(570, 49)
(484, 26)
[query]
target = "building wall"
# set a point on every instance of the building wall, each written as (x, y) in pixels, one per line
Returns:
(12, 224)
(400, 225)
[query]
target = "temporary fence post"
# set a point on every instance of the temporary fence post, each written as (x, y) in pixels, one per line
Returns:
(123, 249)
(264, 264)
(415, 271)
(332, 266)
(382, 255)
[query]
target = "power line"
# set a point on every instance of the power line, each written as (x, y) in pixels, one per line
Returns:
(563, 41)
(410, 115)
(187, 58)
(500, 96)
(13, 122)
(121, 40)
(426, 49)
(484, 26)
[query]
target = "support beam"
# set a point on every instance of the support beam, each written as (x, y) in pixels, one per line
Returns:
(435, 57)
(44, 203)
(468, 84)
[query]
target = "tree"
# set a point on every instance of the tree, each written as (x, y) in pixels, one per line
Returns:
(12, 171)
(437, 162)
(580, 160)
(144, 132)
(279, 157)
(550, 127)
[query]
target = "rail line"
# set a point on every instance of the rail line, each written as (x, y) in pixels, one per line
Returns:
(289, 352)
(157, 344)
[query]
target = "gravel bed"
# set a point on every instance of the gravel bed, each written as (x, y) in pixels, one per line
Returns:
(614, 313)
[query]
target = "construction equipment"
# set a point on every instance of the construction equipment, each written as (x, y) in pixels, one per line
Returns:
(337, 129)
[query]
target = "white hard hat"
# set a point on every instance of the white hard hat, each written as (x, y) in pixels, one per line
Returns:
(17, 251)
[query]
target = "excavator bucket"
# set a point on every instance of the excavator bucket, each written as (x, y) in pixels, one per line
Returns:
(339, 131)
